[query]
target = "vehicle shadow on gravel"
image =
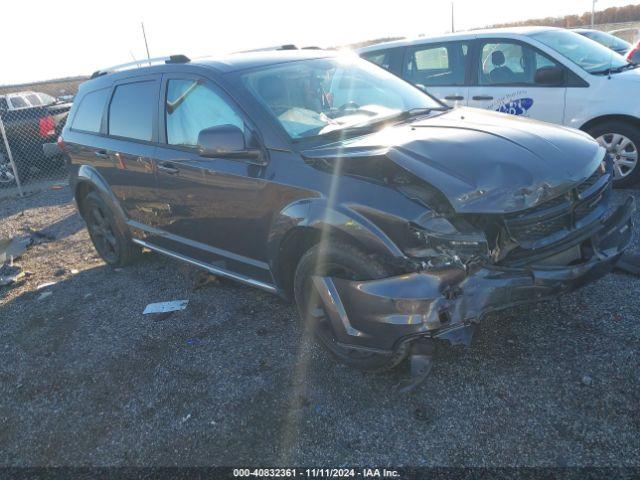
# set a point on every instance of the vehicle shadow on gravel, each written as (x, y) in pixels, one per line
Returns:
(87, 379)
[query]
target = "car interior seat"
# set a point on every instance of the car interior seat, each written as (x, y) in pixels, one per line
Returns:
(500, 72)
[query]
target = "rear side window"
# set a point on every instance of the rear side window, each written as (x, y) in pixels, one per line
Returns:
(90, 111)
(131, 110)
(18, 102)
(34, 100)
(438, 65)
(432, 58)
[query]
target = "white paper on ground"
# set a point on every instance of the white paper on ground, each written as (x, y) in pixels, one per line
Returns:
(162, 307)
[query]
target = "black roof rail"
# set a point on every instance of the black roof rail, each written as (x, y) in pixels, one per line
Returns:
(289, 46)
(172, 59)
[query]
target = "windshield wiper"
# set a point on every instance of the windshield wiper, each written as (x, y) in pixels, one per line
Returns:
(417, 112)
(621, 68)
(339, 132)
(371, 126)
(628, 66)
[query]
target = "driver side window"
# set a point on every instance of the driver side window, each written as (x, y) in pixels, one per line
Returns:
(191, 107)
(510, 63)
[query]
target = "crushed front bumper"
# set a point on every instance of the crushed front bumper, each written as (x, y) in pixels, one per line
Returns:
(379, 315)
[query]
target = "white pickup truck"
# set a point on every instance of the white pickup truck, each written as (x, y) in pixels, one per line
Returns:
(545, 73)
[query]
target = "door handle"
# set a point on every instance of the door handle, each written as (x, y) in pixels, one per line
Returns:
(483, 97)
(101, 153)
(167, 167)
(454, 97)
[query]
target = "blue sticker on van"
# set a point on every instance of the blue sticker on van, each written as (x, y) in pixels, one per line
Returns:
(519, 106)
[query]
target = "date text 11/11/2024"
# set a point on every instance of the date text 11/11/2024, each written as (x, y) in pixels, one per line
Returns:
(315, 473)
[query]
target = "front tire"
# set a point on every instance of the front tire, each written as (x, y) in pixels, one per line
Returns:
(622, 141)
(111, 242)
(342, 261)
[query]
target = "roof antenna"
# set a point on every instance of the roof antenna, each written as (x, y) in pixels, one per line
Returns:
(144, 35)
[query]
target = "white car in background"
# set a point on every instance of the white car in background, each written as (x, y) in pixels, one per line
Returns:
(545, 73)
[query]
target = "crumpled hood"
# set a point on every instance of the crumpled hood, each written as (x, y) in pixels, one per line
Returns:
(483, 162)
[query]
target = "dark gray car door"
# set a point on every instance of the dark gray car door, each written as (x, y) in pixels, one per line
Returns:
(215, 209)
(130, 146)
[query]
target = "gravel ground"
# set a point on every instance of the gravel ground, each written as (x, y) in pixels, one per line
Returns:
(86, 379)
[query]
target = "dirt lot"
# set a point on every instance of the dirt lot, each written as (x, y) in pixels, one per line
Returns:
(86, 379)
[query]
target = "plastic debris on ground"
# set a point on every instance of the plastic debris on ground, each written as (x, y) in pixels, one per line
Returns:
(12, 248)
(165, 307)
(45, 285)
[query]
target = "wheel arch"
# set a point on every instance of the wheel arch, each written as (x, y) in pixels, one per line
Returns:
(310, 222)
(88, 180)
(610, 118)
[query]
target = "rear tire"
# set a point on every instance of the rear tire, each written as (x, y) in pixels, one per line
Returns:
(112, 243)
(342, 261)
(622, 141)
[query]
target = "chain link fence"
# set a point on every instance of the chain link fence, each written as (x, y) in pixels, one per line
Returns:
(30, 124)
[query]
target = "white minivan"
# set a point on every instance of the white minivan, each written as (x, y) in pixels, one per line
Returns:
(545, 73)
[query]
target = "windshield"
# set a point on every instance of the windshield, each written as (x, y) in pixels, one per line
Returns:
(46, 99)
(588, 54)
(608, 40)
(319, 96)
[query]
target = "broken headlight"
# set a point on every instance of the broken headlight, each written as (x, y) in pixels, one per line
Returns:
(447, 240)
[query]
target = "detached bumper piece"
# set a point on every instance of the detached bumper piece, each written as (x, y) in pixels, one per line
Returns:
(379, 315)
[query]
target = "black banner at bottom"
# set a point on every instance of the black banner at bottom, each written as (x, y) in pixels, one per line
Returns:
(400, 473)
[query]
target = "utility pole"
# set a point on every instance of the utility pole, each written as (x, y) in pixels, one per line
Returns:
(144, 35)
(453, 27)
(593, 13)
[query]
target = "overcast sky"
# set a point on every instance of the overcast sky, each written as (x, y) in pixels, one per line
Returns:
(48, 39)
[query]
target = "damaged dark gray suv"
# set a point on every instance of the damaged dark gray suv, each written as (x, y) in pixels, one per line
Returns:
(391, 219)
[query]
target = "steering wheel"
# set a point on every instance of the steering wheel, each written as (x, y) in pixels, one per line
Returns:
(350, 105)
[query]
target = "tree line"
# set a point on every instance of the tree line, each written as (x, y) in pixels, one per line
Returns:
(628, 13)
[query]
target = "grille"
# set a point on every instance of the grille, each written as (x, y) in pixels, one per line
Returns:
(555, 219)
(589, 182)
(548, 205)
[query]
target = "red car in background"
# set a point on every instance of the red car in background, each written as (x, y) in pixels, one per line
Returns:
(633, 55)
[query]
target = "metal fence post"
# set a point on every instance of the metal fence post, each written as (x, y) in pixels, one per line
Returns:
(8, 150)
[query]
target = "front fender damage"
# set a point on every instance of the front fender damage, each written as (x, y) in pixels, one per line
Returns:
(446, 303)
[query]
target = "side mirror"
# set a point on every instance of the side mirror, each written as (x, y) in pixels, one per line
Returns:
(549, 76)
(226, 141)
(220, 140)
